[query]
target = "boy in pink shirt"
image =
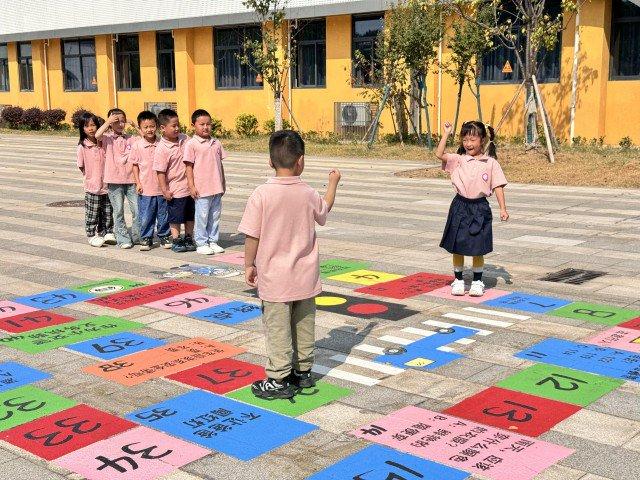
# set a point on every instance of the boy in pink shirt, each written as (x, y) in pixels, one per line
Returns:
(118, 175)
(172, 179)
(203, 157)
(282, 260)
(152, 207)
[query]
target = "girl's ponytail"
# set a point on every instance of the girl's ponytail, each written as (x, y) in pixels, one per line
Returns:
(491, 149)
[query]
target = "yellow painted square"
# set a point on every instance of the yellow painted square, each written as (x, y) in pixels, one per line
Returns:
(366, 277)
(419, 362)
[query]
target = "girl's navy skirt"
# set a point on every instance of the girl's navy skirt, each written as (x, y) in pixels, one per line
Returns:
(468, 230)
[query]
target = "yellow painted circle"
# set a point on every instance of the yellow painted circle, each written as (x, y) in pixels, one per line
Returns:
(330, 301)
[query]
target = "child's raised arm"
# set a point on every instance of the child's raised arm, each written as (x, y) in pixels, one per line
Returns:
(448, 128)
(330, 195)
(105, 126)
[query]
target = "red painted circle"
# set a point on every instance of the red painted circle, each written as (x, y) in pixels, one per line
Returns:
(367, 308)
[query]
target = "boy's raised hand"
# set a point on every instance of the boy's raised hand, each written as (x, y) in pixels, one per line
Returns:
(251, 276)
(113, 118)
(448, 128)
(334, 175)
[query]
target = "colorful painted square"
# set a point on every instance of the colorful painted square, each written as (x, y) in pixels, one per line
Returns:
(11, 309)
(162, 361)
(513, 411)
(479, 449)
(337, 266)
(26, 322)
(618, 337)
(187, 303)
(408, 286)
(365, 277)
(49, 338)
(115, 346)
(362, 307)
(25, 404)
(489, 294)
(305, 400)
(634, 324)
(221, 376)
(136, 454)
(526, 302)
(378, 463)
(66, 431)
(234, 258)
(141, 295)
(217, 271)
(230, 313)
(14, 375)
(561, 384)
(610, 362)
(238, 429)
(54, 299)
(590, 312)
(108, 287)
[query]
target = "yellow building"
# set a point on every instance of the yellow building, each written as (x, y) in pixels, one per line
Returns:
(137, 55)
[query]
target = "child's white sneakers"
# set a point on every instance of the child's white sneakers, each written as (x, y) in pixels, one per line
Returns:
(216, 248)
(110, 239)
(477, 288)
(205, 250)
(96, 241)
(457, 288)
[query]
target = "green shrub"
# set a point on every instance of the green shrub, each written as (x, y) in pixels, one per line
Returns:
(53, 118)
(626, 143)
(246, 125)
(32, 118)
(270, 126)
(12, 115)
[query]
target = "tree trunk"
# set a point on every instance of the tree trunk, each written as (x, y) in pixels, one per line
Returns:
(458, 102)
(277, 107)
(427, 118)
(476, 93)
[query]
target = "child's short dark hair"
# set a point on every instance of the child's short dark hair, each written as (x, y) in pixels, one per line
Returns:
(199, 113)
(147, 115)
(285, 148)
(116, 110)
(166, 115)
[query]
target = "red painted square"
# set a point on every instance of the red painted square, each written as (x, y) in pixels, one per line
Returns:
(147, 294)
(409, 286)
(221, 376)
(634, 323)
(64, 432)
(515, 411)
(32, 320)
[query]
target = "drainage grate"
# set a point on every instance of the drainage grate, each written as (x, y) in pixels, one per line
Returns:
(67, 203)
(574, 276)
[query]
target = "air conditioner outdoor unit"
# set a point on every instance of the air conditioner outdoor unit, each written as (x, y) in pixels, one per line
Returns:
(157, 107)
(353, 119)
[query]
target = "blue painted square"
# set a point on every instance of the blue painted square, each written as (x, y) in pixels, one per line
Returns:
(428, 348)
(238, 429)
(14, 375)
(117, 345)
(610, 362)
(54, 299)
(526, 302)
(383, 463)
(229, 313)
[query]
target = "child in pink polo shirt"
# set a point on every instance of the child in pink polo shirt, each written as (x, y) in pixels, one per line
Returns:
(97, 208)
(152, 206)
(282, 260)
(203, 157)
(172, 179)
(475, 176)
(118, 175)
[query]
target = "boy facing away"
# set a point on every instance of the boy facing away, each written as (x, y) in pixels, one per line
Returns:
(282, 261)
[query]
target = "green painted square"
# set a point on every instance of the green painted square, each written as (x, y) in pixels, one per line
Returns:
(107, 287)
(591, 312)
(562, 384)
(337, 267)
(43, 339)
(305, 401)
(25, 404)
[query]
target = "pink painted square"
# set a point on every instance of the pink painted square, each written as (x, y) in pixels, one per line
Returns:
(187, 303)
(9, 309)
(460, 443)
(489, 294)
(618, 337)
(153, 453)
(235, 258)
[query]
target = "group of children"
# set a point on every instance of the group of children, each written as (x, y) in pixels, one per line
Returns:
(168, 182)
(176, 179)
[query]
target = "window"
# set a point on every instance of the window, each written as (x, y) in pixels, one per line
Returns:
(25, 67)
(625, 40)
(229, 46)
(128, 62)
(4, 68)
(365, 35)
(166, 61)
(494, 64)
(79, 64)
(309, 54)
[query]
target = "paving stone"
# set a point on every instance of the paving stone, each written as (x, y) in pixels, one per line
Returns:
(611, 402)
(599, 427)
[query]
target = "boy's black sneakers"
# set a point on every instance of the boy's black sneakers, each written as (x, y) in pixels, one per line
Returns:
(166, 242)
(301, 379)
(189, 243)
(270, 389)
(178, 246)
(145, 245)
